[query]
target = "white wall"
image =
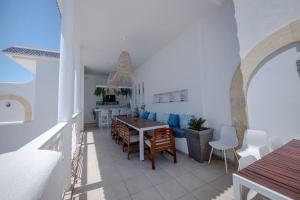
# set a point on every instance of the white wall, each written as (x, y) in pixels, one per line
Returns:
(13, 136)
(16, 111)
(90, 82)
(175, 67)
(257, 19)
(202, 60)
(273, 96)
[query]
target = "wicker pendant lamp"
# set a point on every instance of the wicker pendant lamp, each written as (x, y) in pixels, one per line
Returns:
(124, 74)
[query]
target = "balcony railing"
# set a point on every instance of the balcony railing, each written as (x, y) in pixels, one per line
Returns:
(61, 138)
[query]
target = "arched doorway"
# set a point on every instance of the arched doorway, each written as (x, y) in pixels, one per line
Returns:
(250, 64)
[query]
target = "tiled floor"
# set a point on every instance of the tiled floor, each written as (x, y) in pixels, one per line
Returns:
(108, 175)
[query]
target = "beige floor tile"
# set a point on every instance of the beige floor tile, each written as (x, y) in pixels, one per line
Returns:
(148, 194)
(222, 183)
(158, 176)
(205, 192)
(115, 191)
(188, 197)
(171, 190)
(208, 173)
(108, 175)
(137, 184)
(190, 181)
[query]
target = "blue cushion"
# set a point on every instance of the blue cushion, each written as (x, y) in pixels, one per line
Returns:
(141, 114)
(179, 132)
(164, 118)
(152, 116)
(174, 120)
(145, 115)
(185, 120)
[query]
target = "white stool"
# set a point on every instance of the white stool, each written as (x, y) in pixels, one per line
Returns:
(103, 118)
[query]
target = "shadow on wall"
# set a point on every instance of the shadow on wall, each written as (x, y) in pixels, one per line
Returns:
(221, 51)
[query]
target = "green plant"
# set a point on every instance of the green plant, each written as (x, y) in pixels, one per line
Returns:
(196, 124)
(125, 92)
(100, 91)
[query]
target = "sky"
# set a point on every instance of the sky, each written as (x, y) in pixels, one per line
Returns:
(32, 23)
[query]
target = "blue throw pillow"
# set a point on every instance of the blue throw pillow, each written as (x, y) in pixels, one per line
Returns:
(141, 114)
(152, 116)
(164, 118)
(174, 121)
(145, 115)
(185, 120)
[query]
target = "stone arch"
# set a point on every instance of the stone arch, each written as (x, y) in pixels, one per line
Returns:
(23, 102)
(285, 36)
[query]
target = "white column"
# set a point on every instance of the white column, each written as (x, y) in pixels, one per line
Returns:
(77, 81)
(66, 85)
(82, 97)
(66, 67)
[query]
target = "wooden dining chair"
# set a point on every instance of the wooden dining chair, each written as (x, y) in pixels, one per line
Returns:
(162, 140)
(113, 131)
(130, 138)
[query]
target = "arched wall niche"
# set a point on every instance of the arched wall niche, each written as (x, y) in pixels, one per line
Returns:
(23, 102)
(281, 38)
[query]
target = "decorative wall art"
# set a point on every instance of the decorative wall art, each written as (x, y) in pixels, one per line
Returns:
(173, 96)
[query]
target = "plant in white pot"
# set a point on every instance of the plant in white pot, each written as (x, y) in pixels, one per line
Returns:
(197, 137)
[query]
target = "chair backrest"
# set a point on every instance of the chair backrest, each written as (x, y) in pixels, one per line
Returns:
(255, 138)
(228, 136)
(263, 150)
(113, 125)
(246, 161)
(163, 139)
(123, 131)
(275, 143)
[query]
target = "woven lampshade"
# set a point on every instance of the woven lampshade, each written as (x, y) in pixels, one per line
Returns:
(124, 74)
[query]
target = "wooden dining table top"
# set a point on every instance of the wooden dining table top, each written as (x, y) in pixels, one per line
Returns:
(138, 122)
(279, 170)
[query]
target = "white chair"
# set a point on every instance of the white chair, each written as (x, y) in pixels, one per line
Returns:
(275, 143)
(228, 141)
(245, 162)
(115, 112)
(263, 151)
(123, 111)
(253, 139)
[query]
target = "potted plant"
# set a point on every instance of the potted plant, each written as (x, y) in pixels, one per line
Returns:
(100, 91)
(197, 137)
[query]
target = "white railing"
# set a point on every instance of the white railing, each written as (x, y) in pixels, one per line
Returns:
(49, 140)
(62, 138)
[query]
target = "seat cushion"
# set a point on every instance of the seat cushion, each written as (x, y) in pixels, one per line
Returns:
(185, 120)
(174, 120)
(152, 116)
(179, 133)
(148, 143)
(134, 138)
(164, 117)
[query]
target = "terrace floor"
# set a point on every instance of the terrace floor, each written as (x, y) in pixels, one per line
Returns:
(108, 175)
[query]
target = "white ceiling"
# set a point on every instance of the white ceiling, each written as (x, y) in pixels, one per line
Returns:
(142, 27)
